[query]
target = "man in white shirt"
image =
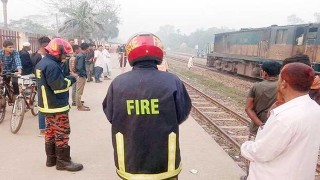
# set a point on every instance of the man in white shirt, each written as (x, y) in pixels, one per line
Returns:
(286, 148)
(106, 68)
(99, 63)
(190, 62)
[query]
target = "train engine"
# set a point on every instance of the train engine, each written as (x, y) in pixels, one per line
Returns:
(242, 52)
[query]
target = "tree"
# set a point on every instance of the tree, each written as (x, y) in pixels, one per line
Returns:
(28, 25)
(88, 19)
(80, 21)
(170, 37)
(294, 19)
(175, 40)
(108, 18)
(317, 17)
(204, 37)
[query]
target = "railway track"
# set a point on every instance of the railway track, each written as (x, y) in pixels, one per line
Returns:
(229, 125)
(232, 126)
(202, 64)
(181, 59)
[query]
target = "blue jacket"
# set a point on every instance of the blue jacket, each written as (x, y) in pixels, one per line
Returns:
(53, 86)
(81, 65)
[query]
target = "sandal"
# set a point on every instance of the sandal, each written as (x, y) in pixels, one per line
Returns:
(83, 108)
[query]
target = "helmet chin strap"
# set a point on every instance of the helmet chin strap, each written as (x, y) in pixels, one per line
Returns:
(60, 57)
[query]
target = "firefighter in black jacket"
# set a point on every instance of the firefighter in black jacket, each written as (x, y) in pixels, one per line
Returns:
(53, 95)
(145, 107)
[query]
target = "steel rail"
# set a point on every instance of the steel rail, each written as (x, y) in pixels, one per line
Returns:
(238, 116)
(222, 107)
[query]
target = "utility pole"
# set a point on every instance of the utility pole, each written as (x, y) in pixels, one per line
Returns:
(71, 5)
(5, 21)
(57, 21)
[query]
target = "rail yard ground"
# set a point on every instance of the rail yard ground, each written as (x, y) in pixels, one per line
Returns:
(227, 89)
(23, 156)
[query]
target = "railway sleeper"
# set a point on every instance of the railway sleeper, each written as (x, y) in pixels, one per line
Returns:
(209, 107)
(198, 102)
(225, 119)
(233, 127)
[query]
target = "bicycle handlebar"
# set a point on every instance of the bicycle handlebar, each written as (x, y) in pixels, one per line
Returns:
(11, 75)
(27, 78)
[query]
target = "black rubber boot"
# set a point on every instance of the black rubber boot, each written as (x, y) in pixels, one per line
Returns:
(64, 161)
(51, 154)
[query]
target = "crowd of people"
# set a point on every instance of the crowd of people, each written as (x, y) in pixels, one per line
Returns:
(57, 65)
(284, 108)
(285, 112)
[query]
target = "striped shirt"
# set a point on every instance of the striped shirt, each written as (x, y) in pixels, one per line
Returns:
(10, 62)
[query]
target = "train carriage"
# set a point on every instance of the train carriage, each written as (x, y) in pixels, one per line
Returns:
(242, 52)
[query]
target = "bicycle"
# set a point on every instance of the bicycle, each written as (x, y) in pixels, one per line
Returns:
(6, 95)
(25, 101)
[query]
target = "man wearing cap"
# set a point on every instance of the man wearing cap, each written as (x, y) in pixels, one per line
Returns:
(286, 147)
(27, 66)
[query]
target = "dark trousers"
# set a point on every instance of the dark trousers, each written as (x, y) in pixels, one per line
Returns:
(90, 70)
(122, 60)
(14, 82)
(97, 73)
(58, 129)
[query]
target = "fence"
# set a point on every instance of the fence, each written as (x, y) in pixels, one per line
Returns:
(19, 37)
(10, 35)
(33, 40)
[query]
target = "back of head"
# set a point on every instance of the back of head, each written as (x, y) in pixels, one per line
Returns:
(272, 68)
(84, 46)
(44, 40)
(144, 47)
(301, 58)
(75, 47)
(299, 76)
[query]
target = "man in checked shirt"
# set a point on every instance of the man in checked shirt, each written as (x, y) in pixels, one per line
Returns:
(10, 62)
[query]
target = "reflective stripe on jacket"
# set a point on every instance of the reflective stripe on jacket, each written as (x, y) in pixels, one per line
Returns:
(145, 107)
(53, 86)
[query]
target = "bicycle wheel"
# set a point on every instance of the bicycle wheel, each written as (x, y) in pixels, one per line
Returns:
(17, 115)
(3, 106)
(34, 105)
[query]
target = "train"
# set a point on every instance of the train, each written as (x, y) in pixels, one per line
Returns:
(242, 52)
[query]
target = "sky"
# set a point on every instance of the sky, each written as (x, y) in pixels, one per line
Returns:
(188, 16)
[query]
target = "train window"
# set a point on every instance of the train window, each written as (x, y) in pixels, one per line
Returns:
(281, 37)
(313, 29)
(299, 36)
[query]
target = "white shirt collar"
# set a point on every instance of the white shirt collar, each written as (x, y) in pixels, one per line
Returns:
(292, 103)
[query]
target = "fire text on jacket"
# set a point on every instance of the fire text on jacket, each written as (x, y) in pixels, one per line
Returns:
(143, 106)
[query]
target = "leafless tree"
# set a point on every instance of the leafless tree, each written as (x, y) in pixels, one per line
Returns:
(294, 19)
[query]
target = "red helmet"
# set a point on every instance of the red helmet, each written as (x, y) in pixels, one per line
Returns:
(143, 47)
(58, 46)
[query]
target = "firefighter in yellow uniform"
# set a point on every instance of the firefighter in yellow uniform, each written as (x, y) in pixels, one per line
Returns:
(53, 94)
(145, 107)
